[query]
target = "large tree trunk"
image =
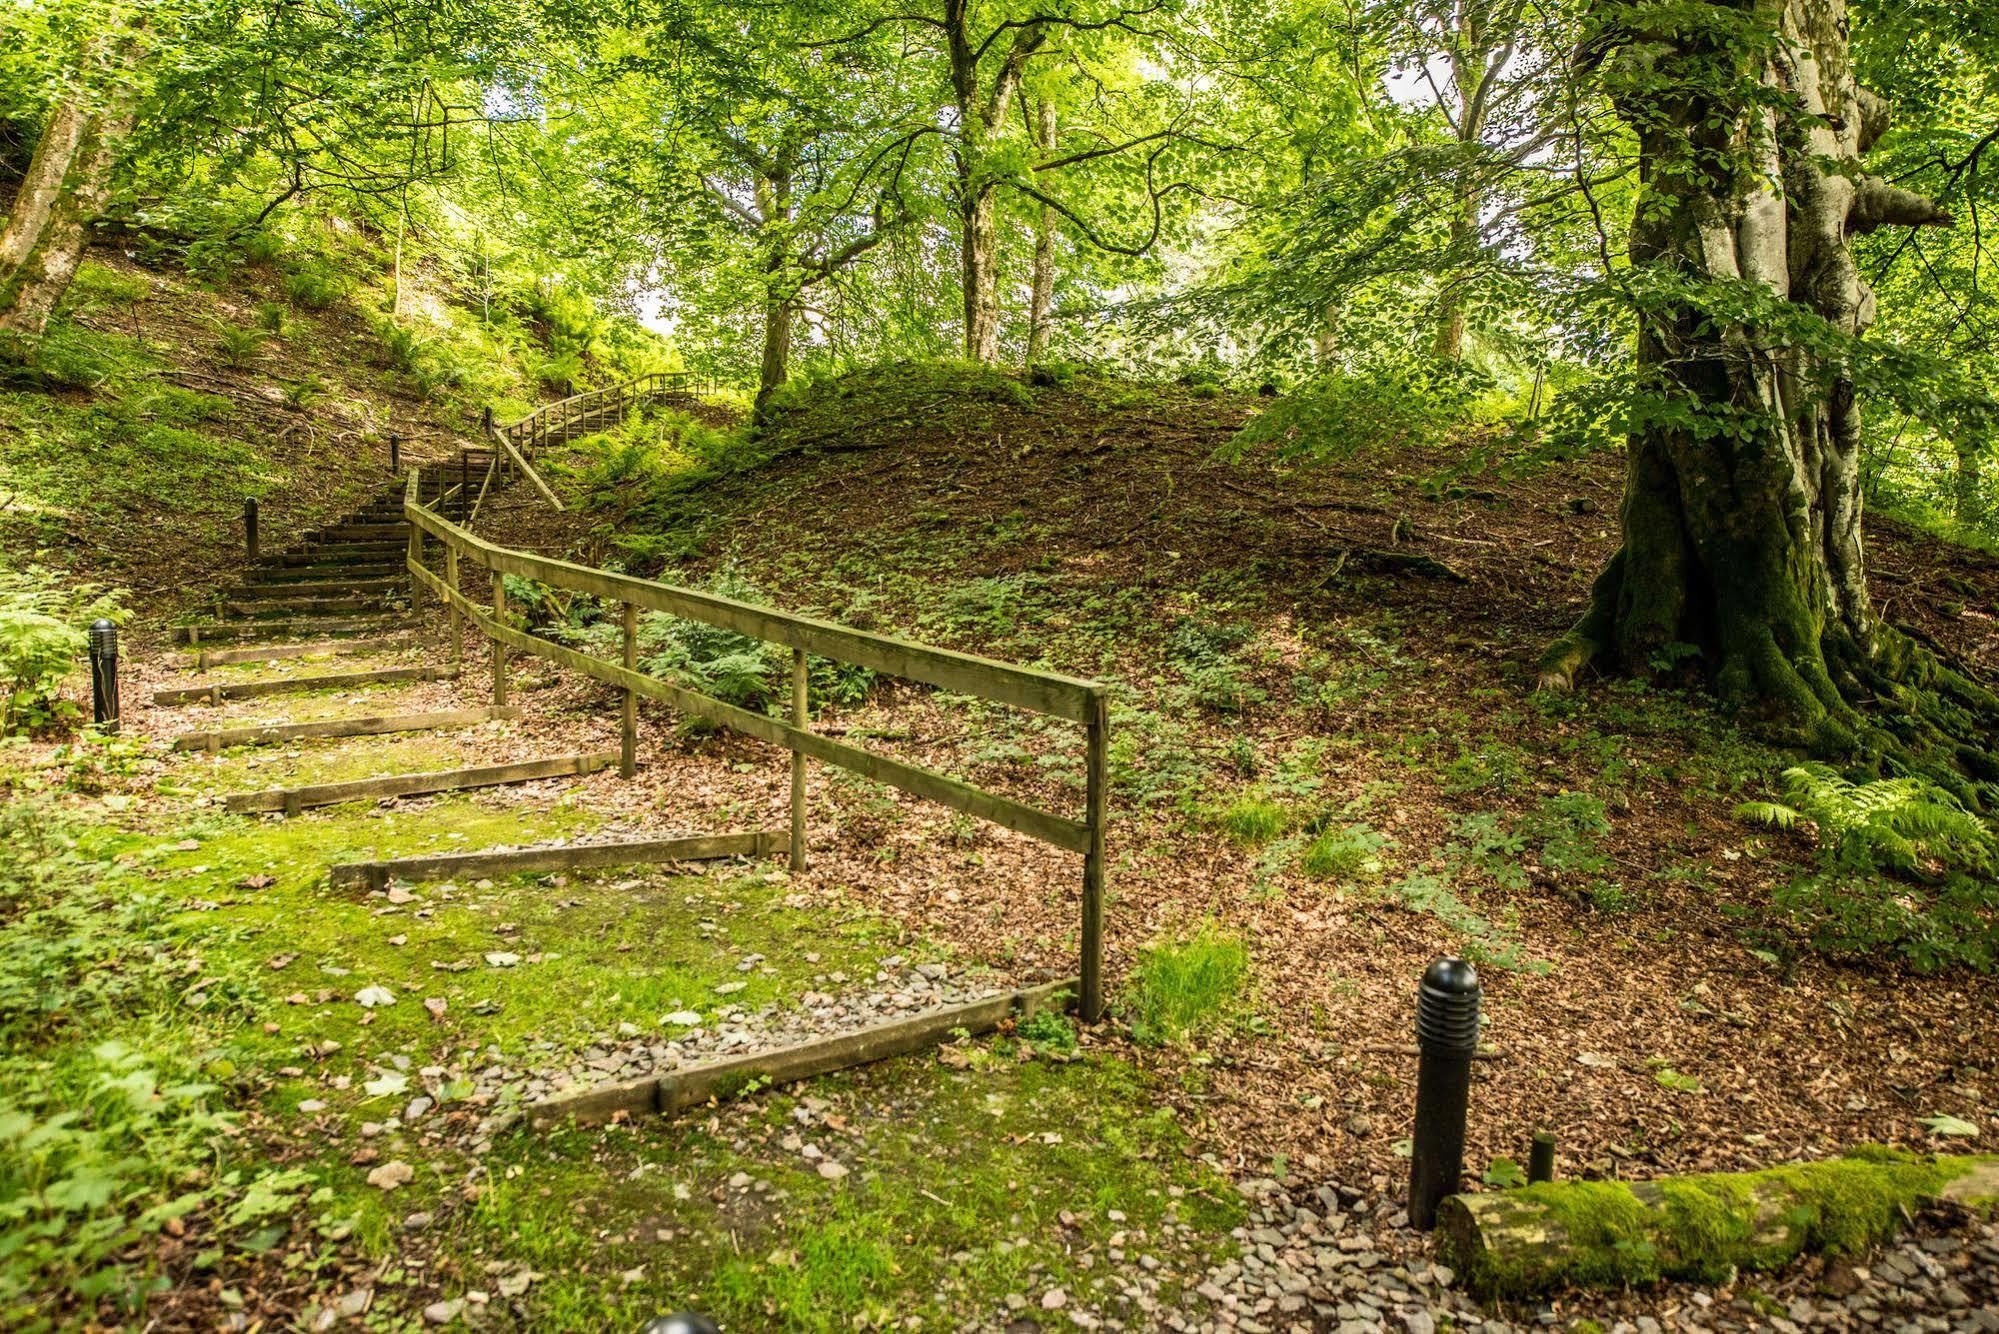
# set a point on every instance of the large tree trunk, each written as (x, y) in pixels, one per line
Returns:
(1042, 302)
(1741, 516)
(68, 182)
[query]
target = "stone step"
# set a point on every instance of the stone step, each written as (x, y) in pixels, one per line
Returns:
(324, 553)
(203, 659)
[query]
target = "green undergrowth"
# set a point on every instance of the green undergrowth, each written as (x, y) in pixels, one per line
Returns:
(961, 1187)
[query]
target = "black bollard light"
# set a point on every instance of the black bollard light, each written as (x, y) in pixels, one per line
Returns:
(1541, 1158)
(681, 1322)
(250, 528)
(104, 675)
(395, 453)
(1447, 1038)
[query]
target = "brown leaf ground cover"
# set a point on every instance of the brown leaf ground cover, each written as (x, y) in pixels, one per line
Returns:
(1322, 748)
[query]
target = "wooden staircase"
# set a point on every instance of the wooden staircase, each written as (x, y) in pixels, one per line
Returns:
(349, 578)
(345, 578)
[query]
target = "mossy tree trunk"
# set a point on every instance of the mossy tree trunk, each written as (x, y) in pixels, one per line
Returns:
(1610, 1234)
(68, 183)
(1742, 506)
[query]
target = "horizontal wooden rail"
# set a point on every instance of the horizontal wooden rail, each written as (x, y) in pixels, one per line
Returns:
(962, 673)
(1064, 697)
(1072, 835)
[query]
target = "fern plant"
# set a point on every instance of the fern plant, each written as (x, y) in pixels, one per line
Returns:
(1907, 825)
(238, 347)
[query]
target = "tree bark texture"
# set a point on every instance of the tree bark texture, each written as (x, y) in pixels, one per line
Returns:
(1741, 513)
(1041, 305)
(68, 182)
(982, 101)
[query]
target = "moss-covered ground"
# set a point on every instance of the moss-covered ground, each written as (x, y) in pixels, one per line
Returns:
(954, 1190)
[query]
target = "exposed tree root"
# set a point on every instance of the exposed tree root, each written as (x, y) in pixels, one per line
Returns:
(1883, 706)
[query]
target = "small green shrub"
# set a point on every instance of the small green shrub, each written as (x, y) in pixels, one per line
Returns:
(1864, 918)
(104, 1142)
(42, 626)
(238, 347)
(1352, 853)
(1253, 821)
(314, 287)
(735, 668)
(1184, 989)
(1049, 1030)
(271, 317)
(1212, 678)
(71, 356)
(97, 287)
(1346, 413)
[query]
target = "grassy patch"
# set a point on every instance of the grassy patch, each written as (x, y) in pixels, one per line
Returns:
(1252, 821)
(1185, 989)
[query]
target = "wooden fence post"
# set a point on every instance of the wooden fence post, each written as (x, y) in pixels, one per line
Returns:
(414, 559)
(499, 649)
(628, 752)
(457, 619)
(798, 719)
(1096, 815)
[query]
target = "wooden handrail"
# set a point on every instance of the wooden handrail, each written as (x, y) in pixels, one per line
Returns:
(1066, 697)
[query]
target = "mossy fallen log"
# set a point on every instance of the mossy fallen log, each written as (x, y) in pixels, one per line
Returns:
(1613, 1234)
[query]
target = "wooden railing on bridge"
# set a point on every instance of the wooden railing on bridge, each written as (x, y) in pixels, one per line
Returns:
(1064, 697)
(517, 443)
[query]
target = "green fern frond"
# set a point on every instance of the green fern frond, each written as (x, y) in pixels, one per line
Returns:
(1772, 813)
(1905, 824)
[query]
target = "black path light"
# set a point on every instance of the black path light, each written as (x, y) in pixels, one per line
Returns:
(1447, 1004)
(681, 1322)
(104, 675)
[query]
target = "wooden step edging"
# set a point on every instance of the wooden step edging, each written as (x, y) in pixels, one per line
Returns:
(219, 691)
(278, 733)
(675, 1091)
(256, 609)
(320, 625)
(264, 590)
(291, 800)
(567, 857)
(202, 659)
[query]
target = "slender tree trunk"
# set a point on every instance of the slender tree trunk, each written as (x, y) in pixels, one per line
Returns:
(780, 318)
(1475, 65)
(1741, 516)
(780, 263)
(1970, 489)
(979, 272)
(1042, 302)
(68, 182)
(1449, 344)
(42, 186)
(1326, 338)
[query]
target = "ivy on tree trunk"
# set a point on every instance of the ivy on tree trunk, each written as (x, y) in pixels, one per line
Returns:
(1742, 506)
